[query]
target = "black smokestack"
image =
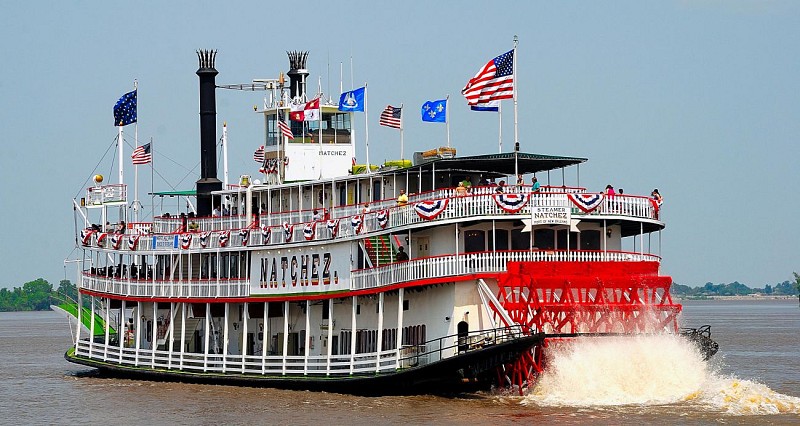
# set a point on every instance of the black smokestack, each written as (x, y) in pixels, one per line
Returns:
(208, 132)
(297, 73)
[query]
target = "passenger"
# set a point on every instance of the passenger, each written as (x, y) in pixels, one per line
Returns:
(184, 223)
(536, 186)
(467, 182)
(366, 208)
(461, 190)
(657, 197)
(120, 227)
(401, 255)
(193, 226)
(483, 181)
(402, 199)
(226, 211)
(609, 191)
(317, 216)
(215, 212)
(501, 187)
(520, 180)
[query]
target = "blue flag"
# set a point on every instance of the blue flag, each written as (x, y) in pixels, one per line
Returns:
(491, 106)
(352, 100)
(435, 111)
(125, 109)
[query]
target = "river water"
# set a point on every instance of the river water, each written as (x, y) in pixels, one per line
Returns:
(754, 379)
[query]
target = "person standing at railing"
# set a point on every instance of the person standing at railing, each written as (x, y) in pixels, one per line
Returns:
(520, 180)
(401, 255)
(501, 187)
(461, 190)
(658, 200)
(536, 186)
(402, 199)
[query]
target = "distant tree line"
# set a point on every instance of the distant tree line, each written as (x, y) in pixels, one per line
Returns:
(786, 288)
(36, 295)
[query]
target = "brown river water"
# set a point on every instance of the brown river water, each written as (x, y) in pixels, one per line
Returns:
(754, 379)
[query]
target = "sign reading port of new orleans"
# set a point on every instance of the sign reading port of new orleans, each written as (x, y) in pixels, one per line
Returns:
(550, 216)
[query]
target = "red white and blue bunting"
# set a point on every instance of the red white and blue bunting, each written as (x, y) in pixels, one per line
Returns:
(116, 241)
(511, 203)
(333, 226)
(586, 202)
(428, 210)
(356, 223)
(383, 218)
(308, 231)
(266, 234)
(288, 231)
(204, 239)
(224, 236)
(186, 241)
(101, 239)
(133, 240)
(86, 236)
(244, 234)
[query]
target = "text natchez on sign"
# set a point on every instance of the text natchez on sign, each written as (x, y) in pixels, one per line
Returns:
(550, 216)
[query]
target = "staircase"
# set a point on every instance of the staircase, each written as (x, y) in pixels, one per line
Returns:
(380, 250)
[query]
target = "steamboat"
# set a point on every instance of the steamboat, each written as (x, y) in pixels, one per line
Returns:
(327, 275)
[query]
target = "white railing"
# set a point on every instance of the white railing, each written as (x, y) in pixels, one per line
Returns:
(160, 288)
(475, 263)
(474, 205)
(298, 365)
(98, 195)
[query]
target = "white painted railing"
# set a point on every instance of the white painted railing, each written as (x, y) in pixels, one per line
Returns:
(475, 263)
(160, 288)
(114, 193)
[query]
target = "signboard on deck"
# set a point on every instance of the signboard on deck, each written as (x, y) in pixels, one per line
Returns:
(550, 216)
(165, 242)
(314, 269)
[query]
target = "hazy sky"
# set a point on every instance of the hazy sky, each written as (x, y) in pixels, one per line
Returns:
(700, 99)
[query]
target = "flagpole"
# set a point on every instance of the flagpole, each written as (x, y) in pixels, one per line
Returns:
(136, 192)
(500, 125)
(225, 153)
(402, 154)
(516, 128)
(366, 129)
(152, 178)
(447, 118)
(136, 144)
(119, 145)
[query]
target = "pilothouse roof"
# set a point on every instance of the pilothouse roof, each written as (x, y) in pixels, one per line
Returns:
(503, 163)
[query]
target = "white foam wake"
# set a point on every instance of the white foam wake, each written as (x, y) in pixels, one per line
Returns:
(647, 370)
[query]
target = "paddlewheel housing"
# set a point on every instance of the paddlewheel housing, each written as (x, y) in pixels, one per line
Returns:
(581, 297)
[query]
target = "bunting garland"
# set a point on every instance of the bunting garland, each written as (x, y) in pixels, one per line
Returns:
(333, 226)
(244, 234)
(133, 241)
(383, 218)
(288, 231)
(428, 210)
(586, 202)
(86, 236)
(308, 231)
(223, 238)
(356, 223)
(511, 203)
(116, 240)
(204, 239)
(101, 239)
(265, 234)
(186, 241)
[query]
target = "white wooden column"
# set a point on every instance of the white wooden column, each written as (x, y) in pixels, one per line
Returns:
(206, 337)
(243, 349)
(353, 333)
(121, 333)
(154, 342)
(138, 332)
(265, 336)
(80, 319)
(285, 334)
(399, 325)
(225, 340)
(171, 346)
(107, 328)
(183, 331)
(308, 337)
(91, 330)
(380, 333)
(330, 334)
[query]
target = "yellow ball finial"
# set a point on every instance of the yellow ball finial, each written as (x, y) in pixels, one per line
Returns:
(98, 178)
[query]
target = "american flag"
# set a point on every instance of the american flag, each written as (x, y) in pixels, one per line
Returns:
(392, 117)
(493, 82)
(285, 130)
(142, 155)
(259, 155)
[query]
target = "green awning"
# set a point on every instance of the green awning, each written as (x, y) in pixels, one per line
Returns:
(189, 193)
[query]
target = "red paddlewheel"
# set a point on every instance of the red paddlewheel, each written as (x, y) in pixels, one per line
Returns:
(521, 373)
(582, 297)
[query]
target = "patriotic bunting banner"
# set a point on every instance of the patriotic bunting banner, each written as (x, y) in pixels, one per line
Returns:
(223, 238)
(116, 240)
(204, 239)
(511, 203)
(586, 202)
(86, 236)
(333, 226)
(288, 231)
(244, 234)
(133, 240)
(428, 210)
(186, 241)
(383, 218)
(101, 239)
(265, 234)
(308, 231)
(356, 223)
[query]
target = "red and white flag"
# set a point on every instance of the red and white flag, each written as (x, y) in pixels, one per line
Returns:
(142, 155)
(392, 117)
(258, 155)
(305, 112)
(285, 130)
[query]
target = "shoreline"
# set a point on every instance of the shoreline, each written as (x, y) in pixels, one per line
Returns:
(738, 297)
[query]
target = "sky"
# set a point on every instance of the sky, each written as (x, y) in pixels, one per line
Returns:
(700, 99)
